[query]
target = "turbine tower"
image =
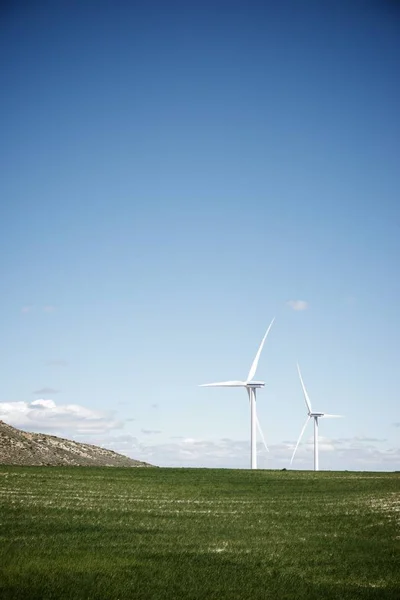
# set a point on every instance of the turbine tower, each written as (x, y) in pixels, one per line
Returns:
(251, 387)
(311, 415)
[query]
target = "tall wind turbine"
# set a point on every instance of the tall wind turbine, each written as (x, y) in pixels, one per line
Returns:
(251, 387)
(311, 415)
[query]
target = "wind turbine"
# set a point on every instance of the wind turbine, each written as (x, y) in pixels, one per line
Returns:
(311, 415)
(251, 387)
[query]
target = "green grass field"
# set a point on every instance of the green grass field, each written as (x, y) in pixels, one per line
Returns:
(104, 533)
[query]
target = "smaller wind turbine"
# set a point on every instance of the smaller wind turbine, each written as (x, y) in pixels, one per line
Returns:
(311, 415)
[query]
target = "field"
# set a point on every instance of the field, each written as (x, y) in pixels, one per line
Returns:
(105, 533)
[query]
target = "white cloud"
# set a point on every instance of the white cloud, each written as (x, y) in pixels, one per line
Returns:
(351, 454)
(186, 452)
(44, 404)
(46, 416)
(356, 453)
(297, 304)
(150, 431)
(78, 422)
(49, 308)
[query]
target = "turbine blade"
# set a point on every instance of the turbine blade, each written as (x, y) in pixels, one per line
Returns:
(253, 368)
(328, 416)
(300, 436)
(261, 434)
(306, 398)
(225, 384)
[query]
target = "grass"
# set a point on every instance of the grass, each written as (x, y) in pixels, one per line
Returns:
(101, 533)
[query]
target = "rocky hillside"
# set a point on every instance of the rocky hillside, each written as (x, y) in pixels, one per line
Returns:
(21, 448)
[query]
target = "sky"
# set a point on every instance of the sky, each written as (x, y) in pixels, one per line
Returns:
(174, 175)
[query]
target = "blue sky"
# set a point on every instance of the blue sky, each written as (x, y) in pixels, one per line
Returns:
(173, 175)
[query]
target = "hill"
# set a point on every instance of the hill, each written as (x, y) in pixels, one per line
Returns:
(38, 449)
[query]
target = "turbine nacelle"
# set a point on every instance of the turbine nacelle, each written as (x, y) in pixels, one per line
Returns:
(324, 416)
(255, 384)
